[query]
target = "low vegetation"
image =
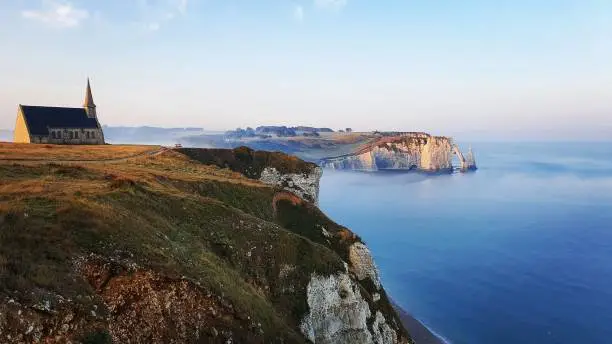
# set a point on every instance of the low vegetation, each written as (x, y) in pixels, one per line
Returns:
(184, 239)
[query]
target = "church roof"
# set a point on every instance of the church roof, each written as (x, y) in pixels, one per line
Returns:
(40, 118)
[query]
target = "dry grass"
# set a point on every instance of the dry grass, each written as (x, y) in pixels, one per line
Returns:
(37, 169)
(350, 138)
(70, 152)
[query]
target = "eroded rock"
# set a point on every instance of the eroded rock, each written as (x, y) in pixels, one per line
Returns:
(362, 263)
(305, 185)
(338, 312)
(381, 331)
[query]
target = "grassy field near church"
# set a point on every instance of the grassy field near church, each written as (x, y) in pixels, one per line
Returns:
(24, 151)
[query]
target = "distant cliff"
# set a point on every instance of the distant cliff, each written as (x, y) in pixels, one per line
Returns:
(369, 151)
(407, 151)
(179, 246)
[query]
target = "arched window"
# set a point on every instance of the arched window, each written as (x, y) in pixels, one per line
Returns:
(53, 134)
(70, 134)
(76, 134)
(87, 134)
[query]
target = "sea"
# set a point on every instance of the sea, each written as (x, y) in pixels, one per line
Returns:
(519, 251)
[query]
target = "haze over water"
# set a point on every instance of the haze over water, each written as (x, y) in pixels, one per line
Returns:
(518, 252)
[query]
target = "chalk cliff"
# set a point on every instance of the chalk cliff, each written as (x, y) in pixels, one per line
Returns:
(349, 305)
(340, 314)
(418, 151)
(303, 184)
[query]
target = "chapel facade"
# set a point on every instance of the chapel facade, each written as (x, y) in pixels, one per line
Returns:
(59, 125)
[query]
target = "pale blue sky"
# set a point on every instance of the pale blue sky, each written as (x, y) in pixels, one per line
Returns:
(475, 69)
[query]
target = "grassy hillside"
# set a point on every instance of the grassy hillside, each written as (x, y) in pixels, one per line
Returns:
(151, 246)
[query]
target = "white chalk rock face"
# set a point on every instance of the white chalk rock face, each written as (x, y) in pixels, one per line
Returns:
(436, 154)
(409, 151)
(304, 185)
(339, 314)
(382, 332)
(362, 263)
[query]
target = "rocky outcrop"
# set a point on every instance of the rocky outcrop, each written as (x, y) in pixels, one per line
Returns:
(470, 161)
(339, 314)
(305, 185)
(410, 151)
(130, 305)
(381, 331)
(362, 263)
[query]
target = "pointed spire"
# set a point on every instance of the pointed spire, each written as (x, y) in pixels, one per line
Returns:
(89, 97)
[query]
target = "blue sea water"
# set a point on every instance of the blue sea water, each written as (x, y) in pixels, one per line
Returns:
(519, 251)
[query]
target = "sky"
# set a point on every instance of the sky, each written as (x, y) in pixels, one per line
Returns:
(473, 69)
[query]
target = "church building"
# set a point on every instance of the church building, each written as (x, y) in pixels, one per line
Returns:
(59, 125)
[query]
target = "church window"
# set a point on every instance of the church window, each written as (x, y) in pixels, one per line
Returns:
(87, 134)
(76, 134)
(70, 134)
(53, 134)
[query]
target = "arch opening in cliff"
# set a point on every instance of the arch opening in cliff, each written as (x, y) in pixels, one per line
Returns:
(465, 162)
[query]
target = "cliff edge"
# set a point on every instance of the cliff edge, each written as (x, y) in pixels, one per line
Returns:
(179, 246)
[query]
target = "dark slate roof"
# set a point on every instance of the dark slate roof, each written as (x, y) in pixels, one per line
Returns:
(40, 118)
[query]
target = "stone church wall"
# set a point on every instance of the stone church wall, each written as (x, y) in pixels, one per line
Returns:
(71, 136)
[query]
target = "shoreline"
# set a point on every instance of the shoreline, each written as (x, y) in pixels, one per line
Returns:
(420, 333)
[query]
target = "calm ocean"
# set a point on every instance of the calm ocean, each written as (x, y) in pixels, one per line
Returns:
(518, 252)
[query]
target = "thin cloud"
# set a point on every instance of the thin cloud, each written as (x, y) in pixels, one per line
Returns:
(298, 13)
(331, 4)
(59, 14)
(157, 13)
(182, 6)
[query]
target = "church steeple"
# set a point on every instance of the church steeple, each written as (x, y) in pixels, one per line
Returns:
(89, 105)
